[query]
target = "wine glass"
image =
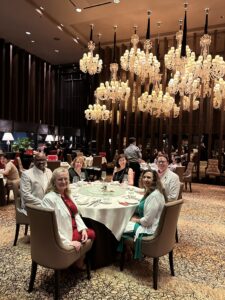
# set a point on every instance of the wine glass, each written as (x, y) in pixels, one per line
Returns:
(103, 176)
(75, 179)
(125, 181)
(82, 176)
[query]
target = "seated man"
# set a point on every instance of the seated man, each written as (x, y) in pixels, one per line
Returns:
(34, 182)
(169, 179)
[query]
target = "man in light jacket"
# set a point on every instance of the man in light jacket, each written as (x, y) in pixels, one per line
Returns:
(34, 182)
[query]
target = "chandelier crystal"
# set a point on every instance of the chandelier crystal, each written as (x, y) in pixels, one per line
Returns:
(219, 93)
(89, 63)
(113, 90)
(158, 104)
(97, 113)
(187, 104)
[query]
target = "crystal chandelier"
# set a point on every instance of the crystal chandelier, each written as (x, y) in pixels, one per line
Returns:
(97, 113)
(219, 93)
(89, 63)
(173, 60)
(114, 90)
(128, 59)
(146, 65)
(158, 104)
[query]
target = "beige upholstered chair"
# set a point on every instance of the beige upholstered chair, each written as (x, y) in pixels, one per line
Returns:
(180, 172)
(47, 249)
(179, 198)
(187, 177)
(20, 165)
(212, 169)
(163, 241)
(21, 219)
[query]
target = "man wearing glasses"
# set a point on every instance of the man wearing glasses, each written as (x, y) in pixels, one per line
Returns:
(34, 182)
(169, 179)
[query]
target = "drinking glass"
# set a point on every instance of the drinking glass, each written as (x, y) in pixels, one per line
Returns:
(75, 179)
(103, 175)
(82, 176)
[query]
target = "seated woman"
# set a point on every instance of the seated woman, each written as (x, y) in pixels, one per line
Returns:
(76, 169)
(10, 171)
(149, 211)
(72, 229)
(122, 171)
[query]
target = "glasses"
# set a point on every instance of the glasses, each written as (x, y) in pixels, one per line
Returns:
(161, 161)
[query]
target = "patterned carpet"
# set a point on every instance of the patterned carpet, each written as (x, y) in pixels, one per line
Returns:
(199, 260)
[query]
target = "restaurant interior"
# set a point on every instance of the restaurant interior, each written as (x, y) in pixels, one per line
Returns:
(79, 79)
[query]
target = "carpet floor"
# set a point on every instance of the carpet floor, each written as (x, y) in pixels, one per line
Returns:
(199, 261)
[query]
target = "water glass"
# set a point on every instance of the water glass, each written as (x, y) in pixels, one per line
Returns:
(103, 175)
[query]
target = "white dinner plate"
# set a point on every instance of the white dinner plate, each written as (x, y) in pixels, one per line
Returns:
(131, 201)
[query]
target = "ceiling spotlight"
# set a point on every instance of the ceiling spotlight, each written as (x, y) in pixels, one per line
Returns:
(32, 41)
(39, 11)
(56, 51)
(59, 27)
(78, 9)
(41, 7)
(28, 32)
(75, 40)
(116, 1)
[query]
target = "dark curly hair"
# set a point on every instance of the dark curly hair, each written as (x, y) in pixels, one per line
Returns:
(156, 183)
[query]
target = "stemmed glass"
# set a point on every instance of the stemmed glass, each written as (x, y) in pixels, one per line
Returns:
(82, 176)
(103, 176)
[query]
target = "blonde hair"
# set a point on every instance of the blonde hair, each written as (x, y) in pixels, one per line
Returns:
(52, 187)
(78, 158)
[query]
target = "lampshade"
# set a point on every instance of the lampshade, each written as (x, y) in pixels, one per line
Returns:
(49, 138)
(7, 136)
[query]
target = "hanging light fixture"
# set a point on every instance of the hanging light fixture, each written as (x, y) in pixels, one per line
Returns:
(146, 65)
(219, 93)
(114, 90)
(89, 63)
(97, 113)
(158, 104)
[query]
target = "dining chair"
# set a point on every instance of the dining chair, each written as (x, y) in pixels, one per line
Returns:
(180, 172)
(163, 240)
(187, 177)
(53, 164)
(21, 219)
(212, 169)
(47, 250)
(19, 165)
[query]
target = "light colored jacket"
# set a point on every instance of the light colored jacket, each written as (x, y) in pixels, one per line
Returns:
(171, 184)
(54, 201)
(32, 187)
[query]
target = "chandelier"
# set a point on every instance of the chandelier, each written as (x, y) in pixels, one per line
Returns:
(113, 90)
(158, 104)
(143, 63)
(97, 113)
(184, 84)
(219, 93)
(128, 59)
(173, 60)
(89, 63)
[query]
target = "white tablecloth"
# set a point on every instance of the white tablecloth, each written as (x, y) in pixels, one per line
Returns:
(104, 206)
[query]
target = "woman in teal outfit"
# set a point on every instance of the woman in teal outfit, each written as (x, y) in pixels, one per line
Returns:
(146, 220)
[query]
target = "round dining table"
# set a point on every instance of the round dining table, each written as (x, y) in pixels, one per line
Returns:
(107, 208)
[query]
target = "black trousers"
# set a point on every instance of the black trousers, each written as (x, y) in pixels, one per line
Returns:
(135, 166)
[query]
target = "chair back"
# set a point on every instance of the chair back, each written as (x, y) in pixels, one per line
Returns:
(163, 241)
(212, 167)
(53, 164)
(69, 158)
(189, 169)
(97, 162)
(21, 218)
(180, 172)
(46, 247)
(20, 165)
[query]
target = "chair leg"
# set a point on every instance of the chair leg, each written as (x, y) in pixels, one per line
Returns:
(16, 234)
(57, 275)
(26, 229)
(185, 186)
(32, 276)
(155, 272)
(171, 263)
(190, 187)
(122, 259)
(87, 261)
(176, 236)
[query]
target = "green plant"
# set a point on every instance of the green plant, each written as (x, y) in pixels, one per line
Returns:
(21, 143)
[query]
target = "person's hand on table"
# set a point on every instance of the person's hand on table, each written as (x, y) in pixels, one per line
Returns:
(84, 236)
(76, 244)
